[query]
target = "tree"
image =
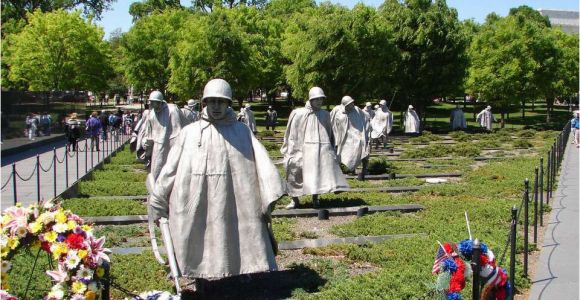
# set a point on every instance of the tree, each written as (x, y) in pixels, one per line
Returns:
(211, 5)
(433, 49)
(18, 9)
(344, 52)
(502, 66)
(145, 8)
(213, 46)
(59, 51)
(147, 46)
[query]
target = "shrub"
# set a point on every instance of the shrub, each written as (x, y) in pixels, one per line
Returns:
(465, 149)
(265, 133)
(379, 166)
(271, 146)
(521, 143)
(111, 187)
(428, 151)
(527, 133)
(95, 207)
(461, 136)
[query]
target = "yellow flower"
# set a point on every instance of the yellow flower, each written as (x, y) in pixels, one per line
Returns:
(60, 217)
(13, 243)
(35, 227)
(78, 287)
(100, 271)
(4, 252)
(3, 277)
(6, 218)
(59, 249)
(71, 224)
(18, 204)
(87, 228)
(50, 236)
(35, 244)
(5, 285)
(82, 253)
(90, 295)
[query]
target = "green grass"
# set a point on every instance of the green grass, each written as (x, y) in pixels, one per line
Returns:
(135, 235)
(284, 229)
(93, 207)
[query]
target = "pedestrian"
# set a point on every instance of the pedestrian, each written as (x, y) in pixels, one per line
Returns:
(485, 118)
(73, 132)
(350, 127)
(94, 128)
(411, 121)
(271, 118)
(218, 207)
(575, 123)
(32, 131)
(104, 124)
(4, 126)
(309, 157)
(45, 123)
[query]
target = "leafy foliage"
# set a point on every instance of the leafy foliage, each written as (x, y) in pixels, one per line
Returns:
(95, 207)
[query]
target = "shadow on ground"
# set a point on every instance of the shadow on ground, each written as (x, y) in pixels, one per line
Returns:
(272, 285)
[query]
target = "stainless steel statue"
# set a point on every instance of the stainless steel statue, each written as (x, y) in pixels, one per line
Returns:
(485, 118)
(189, 111)
(217, 190)
(350, 127)
(309, 157)
(412, 122)
(382, 124)
(457, 119)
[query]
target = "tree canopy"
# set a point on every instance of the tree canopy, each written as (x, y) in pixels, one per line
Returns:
(59, 51)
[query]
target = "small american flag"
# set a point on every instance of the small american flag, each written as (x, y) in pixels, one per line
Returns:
(441, 256)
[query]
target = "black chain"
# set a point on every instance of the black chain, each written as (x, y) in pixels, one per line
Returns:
(60, 161)
(49, 167)
(32, 174)
(7, 181)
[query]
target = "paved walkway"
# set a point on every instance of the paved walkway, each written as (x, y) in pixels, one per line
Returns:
(26, 190)
(557, 274)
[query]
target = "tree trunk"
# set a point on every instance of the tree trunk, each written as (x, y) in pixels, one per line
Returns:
(502, 120)
(534, 104)
(523, 110)
(549, 104)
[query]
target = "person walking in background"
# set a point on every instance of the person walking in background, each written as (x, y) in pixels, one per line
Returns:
(32, 131)
(45, 123)
(104, 124)
(271, 118)
(73, 132)
(4, 127)
(94, 127)
(575, 126)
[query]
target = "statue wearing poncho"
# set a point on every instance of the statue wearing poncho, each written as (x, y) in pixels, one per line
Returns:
(309, 157)
(485, 118)
(457, 119)
(412, 122)
(249, 118)
(217, 189)
(382, 124)
(350, 126)
(189, 111)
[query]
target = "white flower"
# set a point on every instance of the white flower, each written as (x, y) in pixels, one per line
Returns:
(84, 273)
(21, 231)
(5, 266)
(56, 292)
(72, 259)
(60, 227)
(93, 286)
(48, 204)
(3, 241)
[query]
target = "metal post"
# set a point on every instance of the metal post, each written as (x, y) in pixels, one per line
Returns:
(66, 167)
(526, 224)
(541, 189)
(513, 246)
(14, 182)
(536, 206)
(475, 266)
(92, 157)
(54, 170)
(37, 179)
(77, 157)
(548, 174)
(86, 157)
(105, 294)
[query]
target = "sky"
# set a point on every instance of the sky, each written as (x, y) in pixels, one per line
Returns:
(118, 16)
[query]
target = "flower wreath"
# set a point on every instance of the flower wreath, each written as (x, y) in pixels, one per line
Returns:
(80, 257)
(452, 273)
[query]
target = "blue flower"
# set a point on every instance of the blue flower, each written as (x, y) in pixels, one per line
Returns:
(449, 265)
(454, 296)
(483, 248)
(466, 248)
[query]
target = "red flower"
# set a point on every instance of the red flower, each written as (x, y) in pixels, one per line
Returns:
(457, 282)
(45, 246)
(74, 241)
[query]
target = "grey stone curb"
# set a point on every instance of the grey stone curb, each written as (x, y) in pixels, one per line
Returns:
(399, 176)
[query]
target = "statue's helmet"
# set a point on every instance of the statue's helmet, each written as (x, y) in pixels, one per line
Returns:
(316, 92)
(346, 100)
(368, 104)
(217, 88)
(191, 103)
(383, 102)
(156, 96)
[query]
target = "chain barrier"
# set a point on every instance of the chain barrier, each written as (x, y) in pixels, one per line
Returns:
(29, 177)
(49, 167)
(7, 181)
(60, 161)
(74, 153)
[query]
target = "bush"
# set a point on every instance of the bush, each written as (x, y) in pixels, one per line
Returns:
(461, 136)
(425, 137)
(265, 133)
(379, 166)
(521, 143)
(270, 146)
(527, 133)
(459, 149)
(465, 149)
(95, 207)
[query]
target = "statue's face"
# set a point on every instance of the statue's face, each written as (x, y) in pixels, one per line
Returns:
(216, 108)
(349, 107)
(155, 105)
(316, 103)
